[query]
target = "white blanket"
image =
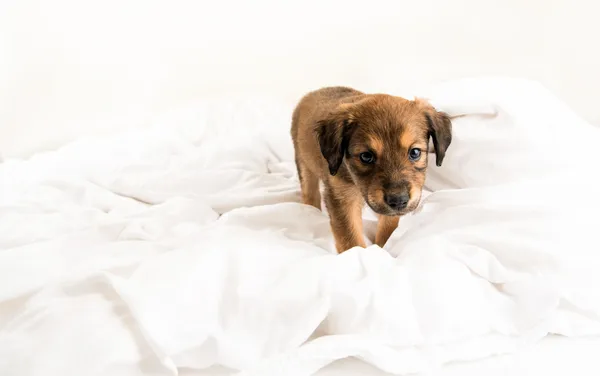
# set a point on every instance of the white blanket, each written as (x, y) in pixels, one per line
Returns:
(184, 245)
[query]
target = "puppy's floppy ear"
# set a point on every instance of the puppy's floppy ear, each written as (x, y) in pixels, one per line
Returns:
(333, 133)
(440, 130)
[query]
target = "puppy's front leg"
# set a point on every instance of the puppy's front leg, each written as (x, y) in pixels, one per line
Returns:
(345, 216)
(385, 226)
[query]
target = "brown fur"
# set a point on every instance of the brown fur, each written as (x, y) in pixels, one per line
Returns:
(385, 228)
(332, 127)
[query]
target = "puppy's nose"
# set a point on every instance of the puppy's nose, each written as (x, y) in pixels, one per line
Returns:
(397, 201)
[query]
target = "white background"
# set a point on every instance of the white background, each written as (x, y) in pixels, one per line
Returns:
(70, 68)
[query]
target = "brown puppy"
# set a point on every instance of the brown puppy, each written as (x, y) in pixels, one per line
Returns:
(366, 148)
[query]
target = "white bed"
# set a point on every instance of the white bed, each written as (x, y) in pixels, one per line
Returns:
(183, 248)
(552, 356)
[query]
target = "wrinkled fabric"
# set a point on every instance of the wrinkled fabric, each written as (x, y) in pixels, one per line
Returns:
(185, 245)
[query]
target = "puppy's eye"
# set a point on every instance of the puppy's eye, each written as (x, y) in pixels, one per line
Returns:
(414, 154)
(367, 157)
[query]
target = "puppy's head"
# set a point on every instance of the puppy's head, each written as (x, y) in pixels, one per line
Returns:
(383, 142)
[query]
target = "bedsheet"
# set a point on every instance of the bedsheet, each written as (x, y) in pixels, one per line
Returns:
(551, 356)
(184, 246)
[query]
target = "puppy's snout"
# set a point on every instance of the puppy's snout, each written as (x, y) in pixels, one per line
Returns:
(397, 201)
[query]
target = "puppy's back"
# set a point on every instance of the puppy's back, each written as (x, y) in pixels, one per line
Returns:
(322, 100)
(317, 104)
